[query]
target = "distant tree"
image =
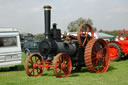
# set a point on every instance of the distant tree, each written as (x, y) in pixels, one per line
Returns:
(38, 36)
(114, 32)
(101, 30)
(74, 25)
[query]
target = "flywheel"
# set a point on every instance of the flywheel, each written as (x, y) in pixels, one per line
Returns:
(84, 34)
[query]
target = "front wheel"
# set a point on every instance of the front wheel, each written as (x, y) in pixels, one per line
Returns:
(62, 65)
(31, 65)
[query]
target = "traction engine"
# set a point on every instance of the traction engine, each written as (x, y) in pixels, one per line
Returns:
(119, 47)
(66, 53)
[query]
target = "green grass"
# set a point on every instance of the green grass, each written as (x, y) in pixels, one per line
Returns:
(116, 75)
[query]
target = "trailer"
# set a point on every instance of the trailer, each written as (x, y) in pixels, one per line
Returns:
(10, 47)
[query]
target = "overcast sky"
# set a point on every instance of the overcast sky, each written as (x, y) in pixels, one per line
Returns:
(28, 15)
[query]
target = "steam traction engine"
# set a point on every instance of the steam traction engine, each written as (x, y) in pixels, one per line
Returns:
(119, 47)
(67, 51)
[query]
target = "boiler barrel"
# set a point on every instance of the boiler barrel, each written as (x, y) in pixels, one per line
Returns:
(51, 47)
(68, 48)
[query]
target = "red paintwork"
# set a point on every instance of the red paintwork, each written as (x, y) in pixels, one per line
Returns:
(113, 52)
(123, 32)
(62, 65)
(31, 65)
(126, 37)
(62, 62)
(122, 43)
(124, 46)
(47, 65)
(34, 65)
(97, 60)
(83, 32)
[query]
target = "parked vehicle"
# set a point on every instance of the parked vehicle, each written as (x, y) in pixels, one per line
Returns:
(31, 46)
(10, 47)
(119, 47)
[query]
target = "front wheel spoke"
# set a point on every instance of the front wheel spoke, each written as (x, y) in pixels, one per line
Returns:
(60, 72)
(30, 66)
(36, 59)
(32, 71)
(65, 71)
(58, 66)
(31, 60)
(38, 70)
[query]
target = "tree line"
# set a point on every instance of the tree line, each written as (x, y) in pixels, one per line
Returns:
(74, 25)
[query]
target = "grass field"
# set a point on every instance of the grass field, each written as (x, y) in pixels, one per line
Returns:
(116, 75)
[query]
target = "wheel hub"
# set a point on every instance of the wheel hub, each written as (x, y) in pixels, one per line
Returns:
(34, 66)
(99, 55)
(63, 66)
(114, 52)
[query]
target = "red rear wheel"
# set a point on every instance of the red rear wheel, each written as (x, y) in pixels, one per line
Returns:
(62, 65)
(84, 34)
(97, 56)
(31, 63)
(115, 51)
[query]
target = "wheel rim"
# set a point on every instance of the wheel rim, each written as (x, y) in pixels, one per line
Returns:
(97, 56)
(62, 65)
(31, 63)
(83, 34)
(113, 52)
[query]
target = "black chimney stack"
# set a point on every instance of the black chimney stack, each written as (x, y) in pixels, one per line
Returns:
(47, 16)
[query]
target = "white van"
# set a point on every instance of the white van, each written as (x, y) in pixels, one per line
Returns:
(10, 47)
